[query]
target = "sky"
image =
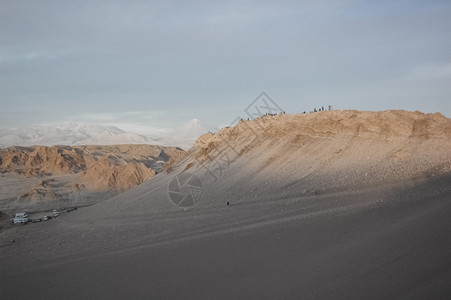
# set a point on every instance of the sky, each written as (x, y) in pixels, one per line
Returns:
(147, 65)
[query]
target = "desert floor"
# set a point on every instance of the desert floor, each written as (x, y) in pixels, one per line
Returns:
(387, 242)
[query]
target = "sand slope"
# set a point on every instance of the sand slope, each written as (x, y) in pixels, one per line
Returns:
(284, 156)
(323, 206)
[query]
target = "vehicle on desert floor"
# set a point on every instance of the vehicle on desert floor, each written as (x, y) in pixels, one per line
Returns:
(21, 218)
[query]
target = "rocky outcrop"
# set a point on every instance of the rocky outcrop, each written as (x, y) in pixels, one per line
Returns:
(109, 174)
(331, 148)
(43, 191)
(116, 167)
(40, 160)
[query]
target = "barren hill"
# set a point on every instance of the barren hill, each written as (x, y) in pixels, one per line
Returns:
(300, 155)
(335, 148)
(42, 160)
(40, 174)
(339, 204)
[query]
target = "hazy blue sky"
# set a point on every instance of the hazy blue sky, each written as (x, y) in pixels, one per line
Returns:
(160, 63)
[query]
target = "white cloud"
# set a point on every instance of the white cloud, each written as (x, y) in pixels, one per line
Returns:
(158, 63)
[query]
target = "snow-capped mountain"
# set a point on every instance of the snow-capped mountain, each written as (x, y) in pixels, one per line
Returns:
(185, 135)
(70, 134)
(93, 134)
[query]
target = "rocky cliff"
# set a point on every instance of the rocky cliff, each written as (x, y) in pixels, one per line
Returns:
(116, 167)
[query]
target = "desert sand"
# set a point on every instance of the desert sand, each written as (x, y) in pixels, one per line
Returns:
(340, 204)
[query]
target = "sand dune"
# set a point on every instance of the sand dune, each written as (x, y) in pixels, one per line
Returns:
(325, 205)
(359, 147)
(276, 157)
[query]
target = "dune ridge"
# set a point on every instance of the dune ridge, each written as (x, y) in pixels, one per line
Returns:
(299, 156)
(325, 205)
(340, 147)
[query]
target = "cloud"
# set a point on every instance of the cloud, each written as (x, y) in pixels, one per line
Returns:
(117, 117)
(116, 61)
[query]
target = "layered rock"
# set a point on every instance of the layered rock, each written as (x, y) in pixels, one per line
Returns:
(116, 167)
(43, 191)
(110, 174)
(41, 160)
(332, 148)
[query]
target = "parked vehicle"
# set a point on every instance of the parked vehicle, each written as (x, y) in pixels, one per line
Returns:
(23, 215)
(21, 218)
(20, 221)
(55, 213)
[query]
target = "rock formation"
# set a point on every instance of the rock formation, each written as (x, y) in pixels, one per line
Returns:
(97, 168)
(338, 148)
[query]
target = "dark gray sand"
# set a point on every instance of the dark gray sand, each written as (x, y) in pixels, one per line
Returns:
(392, 244)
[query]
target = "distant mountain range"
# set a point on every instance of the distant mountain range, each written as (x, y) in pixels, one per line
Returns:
(185, 135)
(93, 134)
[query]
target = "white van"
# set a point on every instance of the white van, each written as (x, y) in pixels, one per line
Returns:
(21, 218)
(23, 215)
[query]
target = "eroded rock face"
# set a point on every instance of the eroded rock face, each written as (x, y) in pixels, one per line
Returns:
(43, 191)
(110, 174)
(337, 148)
(40, 160)
(116, 167)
